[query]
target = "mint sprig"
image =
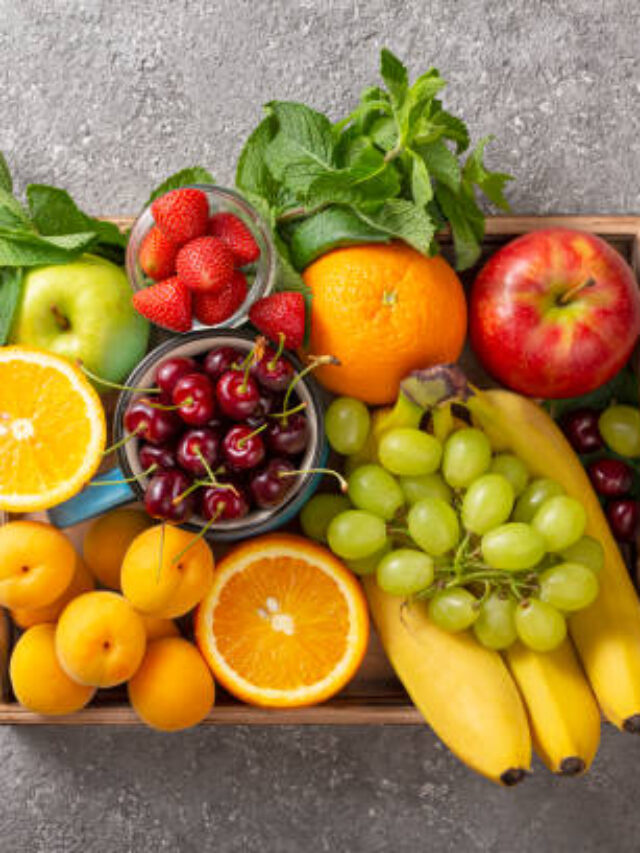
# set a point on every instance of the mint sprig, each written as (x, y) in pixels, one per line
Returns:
(391, 169)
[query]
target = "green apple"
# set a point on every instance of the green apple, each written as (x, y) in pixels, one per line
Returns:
(83, 311)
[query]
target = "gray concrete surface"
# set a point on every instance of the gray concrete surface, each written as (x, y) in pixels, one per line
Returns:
(106, 99)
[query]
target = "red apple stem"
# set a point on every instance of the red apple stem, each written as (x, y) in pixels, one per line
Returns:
(569, 295)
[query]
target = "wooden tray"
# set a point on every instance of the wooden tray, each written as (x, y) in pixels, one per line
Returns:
(374, 696)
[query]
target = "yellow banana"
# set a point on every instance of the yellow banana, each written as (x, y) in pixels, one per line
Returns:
(463, 690)
(606, 634)
(564, 716)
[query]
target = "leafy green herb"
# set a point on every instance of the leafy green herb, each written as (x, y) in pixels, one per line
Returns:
(22, 248)
(10, 291)
(6, 183)
(392, 168)
(192, 175)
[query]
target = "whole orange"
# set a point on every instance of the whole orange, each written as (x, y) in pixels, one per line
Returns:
(383, 310)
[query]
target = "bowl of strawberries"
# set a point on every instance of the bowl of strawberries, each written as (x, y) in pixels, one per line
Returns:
(199, 257)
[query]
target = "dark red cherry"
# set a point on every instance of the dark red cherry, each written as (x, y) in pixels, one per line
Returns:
(273, 372)
(197, 444)
(163, 456)
(219, 360)
(268, 487)
(223, 503)
(161, 493)
(238, 395)
(288, 436)
(242, 448)
(624, 518)
(171, 369)
(581, 428)
(149, 423)
(611, 478)
(193, 394)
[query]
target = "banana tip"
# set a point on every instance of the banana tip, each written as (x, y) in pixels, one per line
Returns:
(572, 766)
(513, 776)
(632, 724)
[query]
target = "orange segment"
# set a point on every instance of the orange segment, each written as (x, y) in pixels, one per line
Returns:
(285, 623)
(52, 429)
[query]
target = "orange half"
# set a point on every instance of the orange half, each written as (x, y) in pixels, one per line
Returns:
(285, 623)
(52, 429)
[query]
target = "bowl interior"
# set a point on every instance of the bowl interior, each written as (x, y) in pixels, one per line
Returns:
(198, 344)
(260, 276)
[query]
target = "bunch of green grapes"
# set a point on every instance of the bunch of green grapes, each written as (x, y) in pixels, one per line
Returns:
(460, 527)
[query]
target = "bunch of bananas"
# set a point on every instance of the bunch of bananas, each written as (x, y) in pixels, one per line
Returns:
(489, 708)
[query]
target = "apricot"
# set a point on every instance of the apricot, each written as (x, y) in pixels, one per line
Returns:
(106, 541)
(38, 680)
(157, 628)
(37, 563)
(82, 581)
(173, 689)
(166, 571)
(100, 639)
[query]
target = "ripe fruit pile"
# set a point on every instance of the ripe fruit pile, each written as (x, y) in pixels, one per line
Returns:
(463, 528)
(199, 262)
(614, 473)
(221, 436)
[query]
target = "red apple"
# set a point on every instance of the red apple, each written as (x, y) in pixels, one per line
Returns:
(555, 313)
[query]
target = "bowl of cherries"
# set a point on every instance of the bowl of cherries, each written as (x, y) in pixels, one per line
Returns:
(219, 429)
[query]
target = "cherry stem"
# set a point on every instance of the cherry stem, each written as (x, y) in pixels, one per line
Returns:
(188, 401)
(161, 554)
(281, 340)
(192, 488)
(132, 479)
(123, 440)
(344, 486)
(206, 466)
(245, 438)
(315, 361)
(569, 295)
(108, 384)
(202, 532)
(284, 415)
(212, 481)
(255, 354)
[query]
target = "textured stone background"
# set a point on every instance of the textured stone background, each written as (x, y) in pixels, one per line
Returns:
(106, 99)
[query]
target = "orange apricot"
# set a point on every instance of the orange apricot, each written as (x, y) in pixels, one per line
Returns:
(82, 581)
(106, 542)
(37, 563)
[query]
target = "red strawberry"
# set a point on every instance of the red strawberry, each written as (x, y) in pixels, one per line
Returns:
(237, 236)
(182, 215)
(214, 308)
(157, 255)
(167, 304)
(205, 264)
(280, 313)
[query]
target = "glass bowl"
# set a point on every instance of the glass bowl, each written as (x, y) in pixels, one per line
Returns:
(260, 276)
(258, 521)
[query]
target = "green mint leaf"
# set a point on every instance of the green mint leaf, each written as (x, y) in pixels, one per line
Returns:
(22, 248)
(384, 132)
(442, 163)
(330, 229)
(303, 147)
(467, 225)
(402, 219)
(492, 184)
(6, 181)
(183, 178)
(252, 175)
(367, 180)
(421, 188)
(420, 98)
(11, 279)
(395, 76)
(12, 214)
(451, 128)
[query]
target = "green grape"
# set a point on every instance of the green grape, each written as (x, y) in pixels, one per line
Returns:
(560, 521)
(355, 534)
(318, 512)
(433, 525)
(487, 503)
(539, 625)
(586, 551)
(536, 493)
(568, 586)
(512, 547)
(467, 455)
(373, 489)
(409, 452)
(453, 610)
(347, 423)
(513, 469)
(405, 572)
(368, 565)
(495, 626)
(620, 428)
(425, 486)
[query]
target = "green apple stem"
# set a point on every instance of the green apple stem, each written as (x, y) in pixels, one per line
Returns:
(569, 295)
(108, 384)
(62, 322)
